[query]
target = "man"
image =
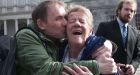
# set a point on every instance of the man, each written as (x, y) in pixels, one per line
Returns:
(38, 46)
(125, 36)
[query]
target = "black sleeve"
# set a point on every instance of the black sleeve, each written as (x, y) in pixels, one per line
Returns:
(101, 30)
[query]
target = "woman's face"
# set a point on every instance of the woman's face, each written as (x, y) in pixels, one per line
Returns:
(78, 29)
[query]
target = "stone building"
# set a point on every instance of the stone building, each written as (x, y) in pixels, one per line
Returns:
(15, 14)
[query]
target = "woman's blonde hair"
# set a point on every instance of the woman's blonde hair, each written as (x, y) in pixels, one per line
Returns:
(80, 8)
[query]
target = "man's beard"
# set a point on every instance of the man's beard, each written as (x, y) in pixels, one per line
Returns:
(124, 20)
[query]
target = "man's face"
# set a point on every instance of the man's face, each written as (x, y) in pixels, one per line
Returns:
(55, 23)
(127, 12)
(78, 29)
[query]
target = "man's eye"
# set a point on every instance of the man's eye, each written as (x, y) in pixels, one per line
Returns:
(59, 18)
(133, 11)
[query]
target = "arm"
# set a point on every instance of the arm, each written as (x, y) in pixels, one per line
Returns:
(132, 67)
(103, 57)
(33, 56)
(136, 55)
(77, 70)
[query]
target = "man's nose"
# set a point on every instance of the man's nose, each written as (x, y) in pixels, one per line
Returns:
(64, 22)
(129, 12)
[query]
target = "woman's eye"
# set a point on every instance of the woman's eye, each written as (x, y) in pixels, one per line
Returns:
(82, 21)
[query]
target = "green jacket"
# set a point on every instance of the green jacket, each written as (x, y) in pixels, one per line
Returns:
(33, 58)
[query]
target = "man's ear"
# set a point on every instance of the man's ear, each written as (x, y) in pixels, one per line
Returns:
(41, 24)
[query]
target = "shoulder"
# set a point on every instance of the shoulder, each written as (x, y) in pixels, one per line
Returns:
(25, 32)
(108, 23)
(26, 35)
(134, 30)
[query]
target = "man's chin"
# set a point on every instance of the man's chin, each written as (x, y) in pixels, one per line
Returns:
(127, 21)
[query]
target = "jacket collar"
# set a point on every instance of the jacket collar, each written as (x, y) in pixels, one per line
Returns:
(42, 36)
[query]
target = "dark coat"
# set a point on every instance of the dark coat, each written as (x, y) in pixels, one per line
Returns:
(128, 54)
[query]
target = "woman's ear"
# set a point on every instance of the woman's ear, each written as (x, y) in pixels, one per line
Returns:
(41, 24)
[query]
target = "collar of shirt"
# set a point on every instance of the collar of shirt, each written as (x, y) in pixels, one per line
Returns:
(67, 58)
(121, 24)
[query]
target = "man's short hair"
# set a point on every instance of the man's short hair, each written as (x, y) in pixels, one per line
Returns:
(120, 5)
(40, 12)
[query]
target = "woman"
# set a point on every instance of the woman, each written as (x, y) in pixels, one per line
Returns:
(79, 34)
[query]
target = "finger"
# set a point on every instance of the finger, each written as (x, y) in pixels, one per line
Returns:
(129, 72)
(120, 71)
(77, 68)
(127, 66)
(84, 68)
(64, 73)
(106, 55)
(109, 60)
(103, 50)
(129, 69)
(100, 48)
(108, 68)
(70, 70)
(99, 51)
(106, 60)
(112, 65)
(119, 64)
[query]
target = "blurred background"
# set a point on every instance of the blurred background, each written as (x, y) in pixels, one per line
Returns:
(15, 14)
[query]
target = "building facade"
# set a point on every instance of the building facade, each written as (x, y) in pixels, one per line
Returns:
(15, 14)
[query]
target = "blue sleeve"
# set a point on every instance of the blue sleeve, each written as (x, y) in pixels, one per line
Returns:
(92, 44)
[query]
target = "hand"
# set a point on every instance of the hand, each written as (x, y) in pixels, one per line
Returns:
(77, 70)
(130, 69)
(125, 69)
(108, 67)
(107, 47)
(121, 68)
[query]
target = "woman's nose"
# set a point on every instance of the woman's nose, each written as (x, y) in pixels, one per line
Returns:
(77, 23)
